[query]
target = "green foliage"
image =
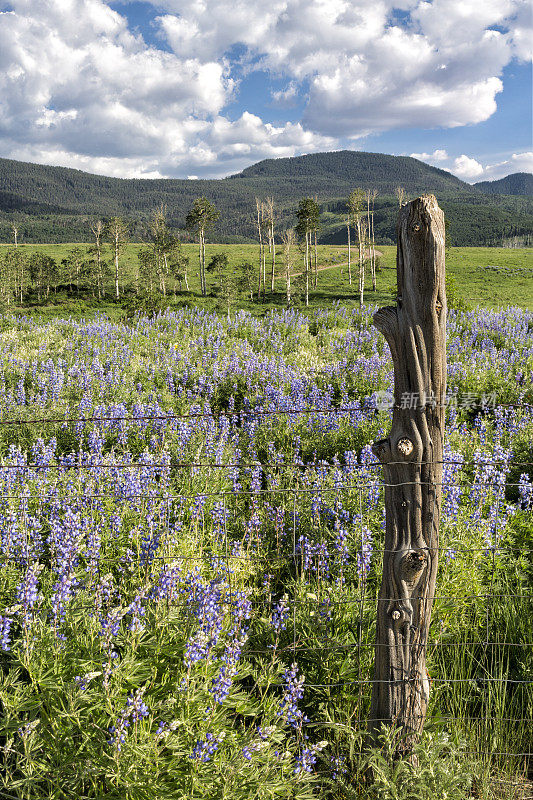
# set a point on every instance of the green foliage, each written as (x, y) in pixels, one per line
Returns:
(202, 216)
(308, 216)
(453, 298)
(439, 769)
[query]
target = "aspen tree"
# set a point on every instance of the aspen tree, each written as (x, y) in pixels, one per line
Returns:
(259, 211)
(162, 241)
(200, 218)
(373, 261)
(98, 231)
(289, 240)
(117, 234)
(269, 206)
(307, 215)
(315, 231)
(362, 232)
(355, 210)
(349, 250)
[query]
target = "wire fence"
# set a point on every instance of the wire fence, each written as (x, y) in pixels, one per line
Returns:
(73, 484)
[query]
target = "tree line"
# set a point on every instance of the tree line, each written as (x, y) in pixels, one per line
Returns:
(162, 265)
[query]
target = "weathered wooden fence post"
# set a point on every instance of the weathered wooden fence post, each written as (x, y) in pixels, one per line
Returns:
(412, 466)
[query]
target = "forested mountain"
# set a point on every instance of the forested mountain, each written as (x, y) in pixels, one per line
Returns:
(56, 204)
(369, 170)
(519, 183)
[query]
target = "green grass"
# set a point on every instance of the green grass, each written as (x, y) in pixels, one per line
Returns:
(474, 279)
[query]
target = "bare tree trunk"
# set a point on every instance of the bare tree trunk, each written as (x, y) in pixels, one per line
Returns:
(349, 252)
(368, 248)
(316, 262)
(116, 264)
(288, 242)
(202, 263)
(271, 244)
(373, 256)
(259, 207)
(97, 229)
(273, 255)
(361, 259)
(412, 467)
(307, 235)
(264, 271)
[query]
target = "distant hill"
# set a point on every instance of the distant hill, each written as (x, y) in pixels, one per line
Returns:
(519, 183)
(56, 204)
(349, 167)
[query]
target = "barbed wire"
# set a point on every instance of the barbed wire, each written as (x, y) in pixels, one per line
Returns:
(212, 414)
(257, 464)
(296, 556)
(126, 496)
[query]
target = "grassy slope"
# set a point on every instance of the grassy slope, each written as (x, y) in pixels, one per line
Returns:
(511, 284)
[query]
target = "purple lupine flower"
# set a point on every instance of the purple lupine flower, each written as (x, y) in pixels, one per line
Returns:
(306, 759)
(137, 610)
(27, 594)
(241, 609)
(82, 681)
(451, 489)
(210, 614)
(525, 491)
(280, 614)
(338, 767)
(61, 596)
(322, 565)
(292, 692)
(307, 549)
(167, 582)
(221, 683)
(364, 556)
(134, 711)
(5, 628)
(341, 544)
(204, 749)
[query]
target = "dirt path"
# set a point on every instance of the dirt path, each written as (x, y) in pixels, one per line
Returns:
(328, 266)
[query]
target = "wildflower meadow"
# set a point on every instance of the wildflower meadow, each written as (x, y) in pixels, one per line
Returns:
(191, 538)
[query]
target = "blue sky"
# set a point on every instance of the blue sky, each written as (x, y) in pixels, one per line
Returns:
(203, 88)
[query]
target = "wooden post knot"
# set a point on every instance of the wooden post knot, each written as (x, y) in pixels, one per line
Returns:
(416, 227)
(412, 563)
(396, 615)
(405, 446)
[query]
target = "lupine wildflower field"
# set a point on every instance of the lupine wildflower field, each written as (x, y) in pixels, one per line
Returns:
(188, 580)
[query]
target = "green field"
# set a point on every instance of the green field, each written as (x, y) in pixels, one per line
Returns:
(485, 276)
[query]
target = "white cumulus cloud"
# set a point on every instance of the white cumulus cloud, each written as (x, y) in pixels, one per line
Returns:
(364, 71)
(518, 162)
(79, 86)
(467, 168)
(471, 170)
(435, 157)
